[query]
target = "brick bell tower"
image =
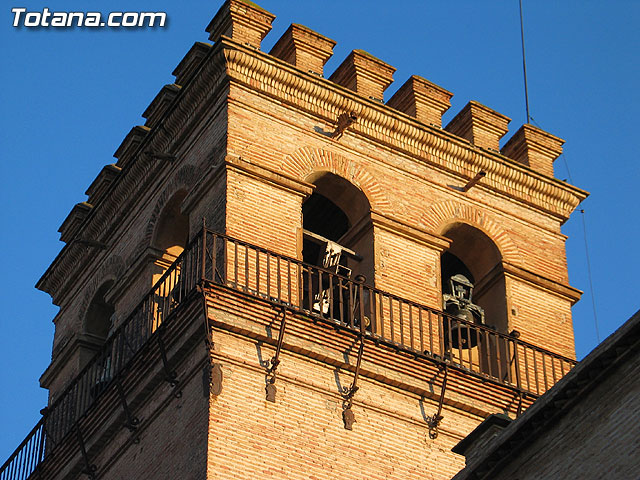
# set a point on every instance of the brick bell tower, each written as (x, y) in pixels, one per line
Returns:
(284, 276)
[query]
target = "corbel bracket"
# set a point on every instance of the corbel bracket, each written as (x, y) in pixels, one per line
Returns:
(275, 361)
(212, 371)
(90, 469)
(170, 375)
(132, 421)
(433, 422)
(348, 392)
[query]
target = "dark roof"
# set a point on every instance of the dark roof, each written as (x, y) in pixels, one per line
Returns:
(559, 399)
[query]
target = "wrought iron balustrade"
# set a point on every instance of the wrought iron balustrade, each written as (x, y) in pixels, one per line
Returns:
(389, 319)
(309, 290)
(73, 403)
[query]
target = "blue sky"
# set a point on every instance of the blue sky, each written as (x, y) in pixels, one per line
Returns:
(69, 97)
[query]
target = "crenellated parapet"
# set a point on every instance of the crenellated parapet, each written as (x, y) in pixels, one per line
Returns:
(186, 69)
(72, 224)
(248, 24)
(424, 143)
(99, 187)
(422, 99)
(364, 74)
(128, 149)
(302, 47)
(535, 148)
(242, 21)
(480, 125)
(157, 108)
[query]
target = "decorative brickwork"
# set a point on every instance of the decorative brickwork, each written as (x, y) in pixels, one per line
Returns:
(306, 162)
(440, 215)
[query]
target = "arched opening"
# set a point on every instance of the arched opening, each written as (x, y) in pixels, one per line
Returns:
(338, 237)
(172, 230)
(98, 326)
(170, 238)
(170, 235)
(99, 317)
(474, 255)
(337, 228)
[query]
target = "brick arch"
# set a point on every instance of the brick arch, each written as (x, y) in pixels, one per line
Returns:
(112, 269)
(184, 179)
(306, 161)
(441, 215)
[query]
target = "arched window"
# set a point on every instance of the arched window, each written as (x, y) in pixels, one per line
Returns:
(474, 255)
(172, 230)
(169, 241)
(338, 236)
(98, 320)
(337, 228)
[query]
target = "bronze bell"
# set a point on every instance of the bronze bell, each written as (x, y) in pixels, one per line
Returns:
(460, 312)
(460, 335)
(459, 305)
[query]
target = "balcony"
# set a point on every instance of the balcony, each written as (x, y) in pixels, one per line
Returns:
(311, 293)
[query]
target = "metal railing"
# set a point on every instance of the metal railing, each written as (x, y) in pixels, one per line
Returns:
(73, 403)
(389, 319)
(302, 288)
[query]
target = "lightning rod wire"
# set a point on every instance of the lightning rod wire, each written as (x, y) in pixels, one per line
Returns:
(524, 65)
(586, 247)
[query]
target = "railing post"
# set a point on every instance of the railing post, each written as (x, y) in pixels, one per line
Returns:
(204, 250)
(360, 279)
(516, 357)
(42, 442)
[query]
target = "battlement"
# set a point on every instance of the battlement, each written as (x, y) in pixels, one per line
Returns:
(363, 73)
(420, 102)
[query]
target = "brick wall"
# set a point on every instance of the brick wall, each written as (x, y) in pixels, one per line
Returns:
(172, 443)
(286, 140)
(302, 434)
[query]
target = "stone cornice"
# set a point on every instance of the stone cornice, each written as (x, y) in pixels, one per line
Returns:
(410, 232)
(280, 180)
(69, 349)
(507, 269)
(563, 290)
(383, 124)
(216, 173)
